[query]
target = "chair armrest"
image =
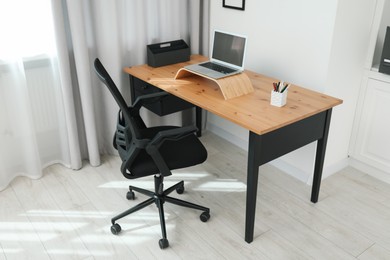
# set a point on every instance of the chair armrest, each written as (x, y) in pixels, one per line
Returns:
(172, 134)
(149, 99)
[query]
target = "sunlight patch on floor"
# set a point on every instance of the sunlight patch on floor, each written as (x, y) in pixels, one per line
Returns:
(68, 214)
(27, 236)
(189, 176)
(170, 180)
(70, 252)
(142, 215)
(125, 184)
(12, 250)
(4, 226)
(227, 185)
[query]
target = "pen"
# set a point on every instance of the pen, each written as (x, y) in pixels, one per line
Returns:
(285, 88)
(275, 86)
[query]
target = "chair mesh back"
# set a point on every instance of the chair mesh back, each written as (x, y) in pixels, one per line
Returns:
(125, 128)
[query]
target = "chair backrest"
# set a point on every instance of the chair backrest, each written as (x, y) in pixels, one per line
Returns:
(127, 131)
(106, 79)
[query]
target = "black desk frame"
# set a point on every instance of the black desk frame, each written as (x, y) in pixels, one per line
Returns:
(267, 147)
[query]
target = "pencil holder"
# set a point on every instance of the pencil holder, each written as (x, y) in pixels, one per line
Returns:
(279, 99)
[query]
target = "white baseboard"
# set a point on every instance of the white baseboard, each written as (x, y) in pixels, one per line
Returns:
(284, 166)
(334, 168)
(307, 177)
(234, 139)
(292, 170)
(370, 170)
(331, 169)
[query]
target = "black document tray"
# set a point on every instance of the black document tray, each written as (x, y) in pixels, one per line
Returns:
(166, 53)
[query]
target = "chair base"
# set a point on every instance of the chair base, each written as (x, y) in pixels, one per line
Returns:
(159, 197)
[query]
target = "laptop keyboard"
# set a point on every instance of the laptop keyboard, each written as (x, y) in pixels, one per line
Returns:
(216, 67)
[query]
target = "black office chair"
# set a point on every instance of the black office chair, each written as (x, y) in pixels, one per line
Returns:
(152, 151)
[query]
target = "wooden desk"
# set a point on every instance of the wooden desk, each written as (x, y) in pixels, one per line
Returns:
(273, 131)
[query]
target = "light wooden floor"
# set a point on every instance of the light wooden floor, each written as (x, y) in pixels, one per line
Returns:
(66, 214)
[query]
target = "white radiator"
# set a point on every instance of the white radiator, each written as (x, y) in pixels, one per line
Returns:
(42, 88)
(42, 104)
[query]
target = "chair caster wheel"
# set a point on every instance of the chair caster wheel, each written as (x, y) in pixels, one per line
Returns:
(180, 190)
(130, 195)
(204, 216)
(115, 229)
(163, 243)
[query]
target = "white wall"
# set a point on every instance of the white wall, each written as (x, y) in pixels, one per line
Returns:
(320, 45)
(349, 51)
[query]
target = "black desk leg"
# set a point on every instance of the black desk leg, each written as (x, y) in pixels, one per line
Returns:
(132, 91)
(320, 157)
(198, 118)
(252, 181)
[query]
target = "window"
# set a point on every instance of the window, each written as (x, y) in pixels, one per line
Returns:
(26, 28)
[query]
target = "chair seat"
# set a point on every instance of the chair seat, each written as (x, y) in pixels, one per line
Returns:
(186, 152)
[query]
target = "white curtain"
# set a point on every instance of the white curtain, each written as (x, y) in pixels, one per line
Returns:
(32, 132)
(52, 106)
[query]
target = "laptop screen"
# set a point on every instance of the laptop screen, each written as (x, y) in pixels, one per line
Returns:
(229, 48)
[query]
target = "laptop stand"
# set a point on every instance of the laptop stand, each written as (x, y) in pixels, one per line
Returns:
(231, 86)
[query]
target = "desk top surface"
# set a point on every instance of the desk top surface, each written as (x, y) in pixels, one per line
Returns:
(252, 111)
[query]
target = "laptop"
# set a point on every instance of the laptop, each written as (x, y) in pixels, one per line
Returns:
(227, 57)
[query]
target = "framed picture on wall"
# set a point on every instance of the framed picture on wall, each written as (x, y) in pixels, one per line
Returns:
(234, 4)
